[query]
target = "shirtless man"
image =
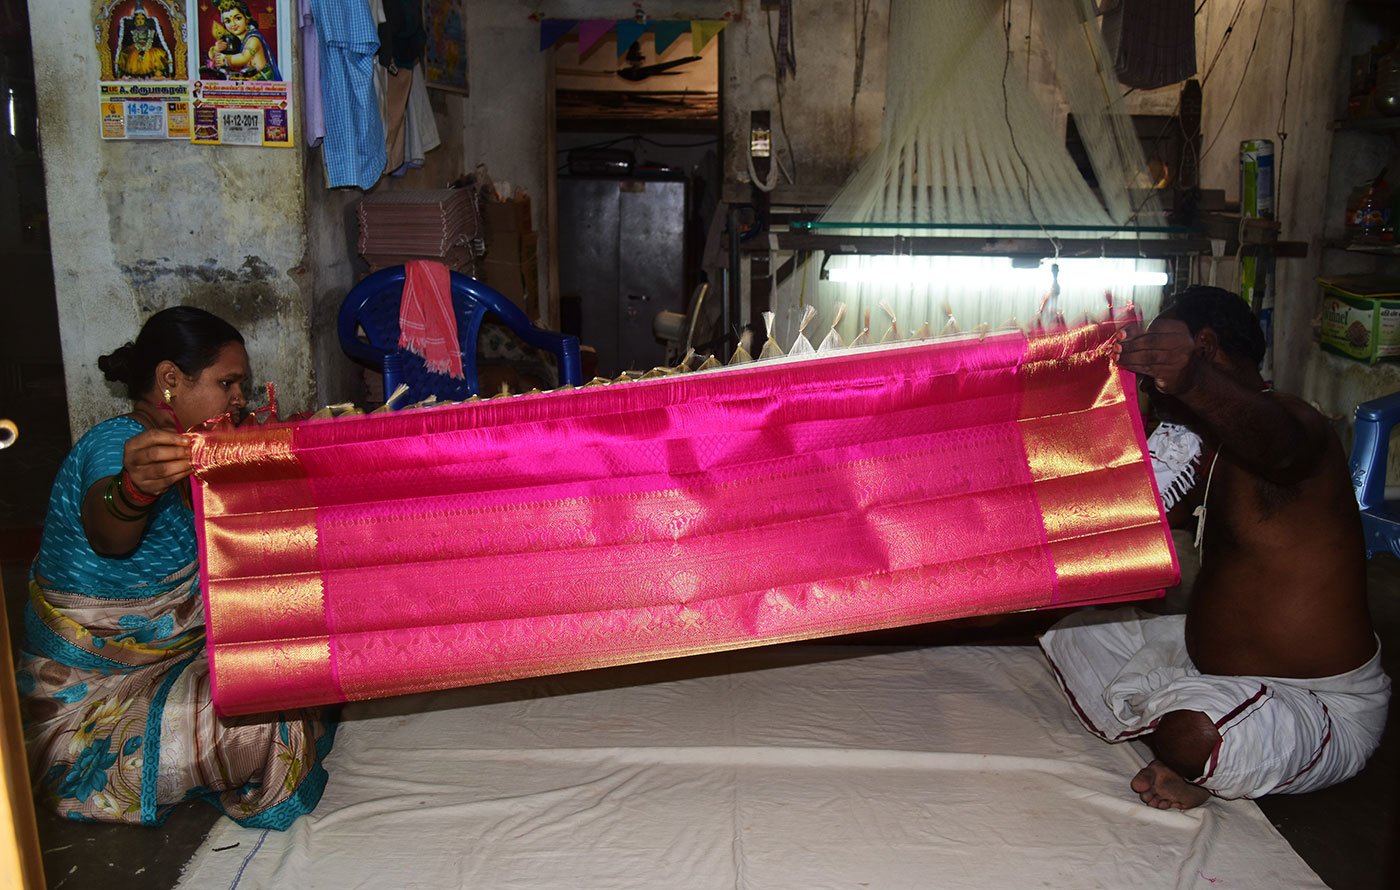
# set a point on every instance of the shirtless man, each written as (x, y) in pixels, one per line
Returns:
(1272, 682)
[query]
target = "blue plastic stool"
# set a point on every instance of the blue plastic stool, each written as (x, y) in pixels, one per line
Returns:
(1380, 519)
(373, 305)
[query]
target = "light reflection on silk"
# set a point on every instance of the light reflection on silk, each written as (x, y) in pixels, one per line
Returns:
(381, 554)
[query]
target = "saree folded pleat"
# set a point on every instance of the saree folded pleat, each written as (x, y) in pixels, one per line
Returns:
(389, 553)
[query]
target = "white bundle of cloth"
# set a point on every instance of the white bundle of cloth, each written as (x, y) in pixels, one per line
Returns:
(1176, 461)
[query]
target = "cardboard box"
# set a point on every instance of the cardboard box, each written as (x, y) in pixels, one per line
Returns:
(498, 218)
(512, 267)
(506, 247)
(1361, 317)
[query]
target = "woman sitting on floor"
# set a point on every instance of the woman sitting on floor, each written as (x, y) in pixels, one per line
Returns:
(118, 717)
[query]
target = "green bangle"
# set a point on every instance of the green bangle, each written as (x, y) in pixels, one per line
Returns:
(113, 509)
(141, 509)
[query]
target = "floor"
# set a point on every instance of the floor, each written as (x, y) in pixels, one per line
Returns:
(1349, 834)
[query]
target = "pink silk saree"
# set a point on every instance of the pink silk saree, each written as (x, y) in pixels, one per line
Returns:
(374, 555)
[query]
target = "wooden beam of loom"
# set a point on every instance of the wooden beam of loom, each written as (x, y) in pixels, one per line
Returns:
(375, 555)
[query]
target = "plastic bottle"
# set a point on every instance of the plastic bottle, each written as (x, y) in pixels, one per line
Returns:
(1374, 211)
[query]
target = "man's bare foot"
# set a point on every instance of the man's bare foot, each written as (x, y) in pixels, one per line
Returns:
(1159, 786)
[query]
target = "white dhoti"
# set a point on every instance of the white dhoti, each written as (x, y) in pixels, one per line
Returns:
(1123, 670)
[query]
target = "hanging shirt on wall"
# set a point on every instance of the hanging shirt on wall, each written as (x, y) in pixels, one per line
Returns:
(354, 142)
(312, 110)
(409, 128)
(392, 133)
(420, 132)
(401, 35)
(399, 80)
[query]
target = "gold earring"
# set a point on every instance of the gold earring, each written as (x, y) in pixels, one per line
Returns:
(168, 396)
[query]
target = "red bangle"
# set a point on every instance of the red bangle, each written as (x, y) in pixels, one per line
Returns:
(111, 504)
(136, 496)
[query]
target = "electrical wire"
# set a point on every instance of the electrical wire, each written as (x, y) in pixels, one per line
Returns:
(782, 119)
(635, 137)
(860, 12)
(1224, 39)
(1283, 109)
(763, 185)
(1238, 85)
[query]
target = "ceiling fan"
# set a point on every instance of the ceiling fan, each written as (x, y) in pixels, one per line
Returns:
(637, 71)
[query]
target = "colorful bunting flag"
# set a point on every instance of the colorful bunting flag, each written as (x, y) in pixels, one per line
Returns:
(667, 32)
(551, 30)
(702, 32)
(590, 32)
(629, 31)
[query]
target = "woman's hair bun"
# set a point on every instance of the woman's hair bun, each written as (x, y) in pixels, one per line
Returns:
(116, 367)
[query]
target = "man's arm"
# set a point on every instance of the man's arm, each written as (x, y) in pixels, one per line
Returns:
(1278, 437)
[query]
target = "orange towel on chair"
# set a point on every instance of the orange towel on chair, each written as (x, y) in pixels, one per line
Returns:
(427, 323)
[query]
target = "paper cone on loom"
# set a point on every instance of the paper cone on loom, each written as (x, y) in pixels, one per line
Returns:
(892, 332)
(743, 352)
(951, 325)
(801, 345)
(832, 341)
(381, 554)
(771, 349)
(863, 338)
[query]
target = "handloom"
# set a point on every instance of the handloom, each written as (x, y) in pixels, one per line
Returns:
(375, 555)
(980, 96)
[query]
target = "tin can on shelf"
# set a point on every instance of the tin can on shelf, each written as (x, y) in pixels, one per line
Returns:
(1257, 178)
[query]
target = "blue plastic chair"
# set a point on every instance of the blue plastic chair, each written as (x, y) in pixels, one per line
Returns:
(1370, 450)
(373, 306)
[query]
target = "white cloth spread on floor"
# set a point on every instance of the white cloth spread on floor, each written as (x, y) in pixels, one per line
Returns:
(785, 766)
(1123, 669)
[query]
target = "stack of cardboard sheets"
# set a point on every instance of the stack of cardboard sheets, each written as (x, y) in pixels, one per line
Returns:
(439, 224)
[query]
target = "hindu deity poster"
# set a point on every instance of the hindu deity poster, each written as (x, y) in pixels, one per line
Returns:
(240, 53)
(144, 91)
(445, 54)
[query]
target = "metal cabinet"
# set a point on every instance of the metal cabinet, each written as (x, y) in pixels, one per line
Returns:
(622, 253)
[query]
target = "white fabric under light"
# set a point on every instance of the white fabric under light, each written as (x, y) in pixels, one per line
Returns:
(973, 291)
(973, 137)
(796, 766)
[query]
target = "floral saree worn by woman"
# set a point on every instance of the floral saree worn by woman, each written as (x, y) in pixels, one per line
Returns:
(118, 717)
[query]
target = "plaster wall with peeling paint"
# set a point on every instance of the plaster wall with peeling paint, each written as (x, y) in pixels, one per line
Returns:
(138, 226)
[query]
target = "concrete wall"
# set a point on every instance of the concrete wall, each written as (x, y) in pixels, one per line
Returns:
(1337, 385)
(139, 226)
(251, 234)
(1251, 92)
(1320, 166)
(829, 122)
